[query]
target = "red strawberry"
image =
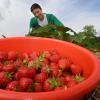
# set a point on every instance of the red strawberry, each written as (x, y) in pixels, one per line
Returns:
(12, 55)
(13, 86)
(54, 58)
(3, 55)
(5, 78)
(75, 69)
(37, 87)
(26, 72)
(1, 66)
(53, 52)
(36, 64)
(45, 69)
(68, 78)
(17, 76)
(41, 77)
(43, 59)
(55, 72)
(9, 68)
(26, 84)
(18, 63)
(53, 65)
(47, 86)
(33, 55)
(62, 81)
(64, 63)
(47, 54)
(24, 56)
(44, 62)
(71, 83)
(51, 84)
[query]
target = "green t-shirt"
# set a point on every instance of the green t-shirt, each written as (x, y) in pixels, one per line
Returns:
(50, 18)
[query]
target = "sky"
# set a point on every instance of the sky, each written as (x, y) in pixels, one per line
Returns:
(15, 15)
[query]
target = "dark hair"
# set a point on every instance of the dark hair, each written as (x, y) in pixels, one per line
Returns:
(35, 6)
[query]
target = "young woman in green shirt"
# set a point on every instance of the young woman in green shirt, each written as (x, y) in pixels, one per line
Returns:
(41, 19)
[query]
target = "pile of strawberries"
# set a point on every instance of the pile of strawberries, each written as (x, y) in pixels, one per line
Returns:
(37, 71)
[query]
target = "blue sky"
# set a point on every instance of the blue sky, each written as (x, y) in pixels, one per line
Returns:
(15, 14)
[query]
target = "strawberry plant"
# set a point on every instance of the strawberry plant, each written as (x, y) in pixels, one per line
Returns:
(86, 38)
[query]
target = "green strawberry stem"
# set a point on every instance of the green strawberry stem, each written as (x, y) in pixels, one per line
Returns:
(78, 78)
(42, 56)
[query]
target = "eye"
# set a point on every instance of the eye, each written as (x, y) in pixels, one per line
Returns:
(37, 11)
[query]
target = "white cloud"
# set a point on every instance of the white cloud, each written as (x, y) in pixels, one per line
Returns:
(4, 5)
(15, 23)
(82, 19)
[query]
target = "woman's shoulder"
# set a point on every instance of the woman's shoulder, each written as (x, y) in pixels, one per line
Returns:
(49, 14)
(33, 19)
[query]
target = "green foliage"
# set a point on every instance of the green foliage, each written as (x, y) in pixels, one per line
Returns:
(89, 30)
(51, 31)
(86, 38)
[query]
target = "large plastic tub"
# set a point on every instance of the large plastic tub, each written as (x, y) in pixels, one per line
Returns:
(79, 56)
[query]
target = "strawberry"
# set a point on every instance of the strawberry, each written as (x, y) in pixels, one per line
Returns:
(53, 52)
(44, 62)
(26, 84)
(53, 65)
(78, 78)
(41, 77)
(62, 81)
(1, 66)
(26, 72)
(51, 84)
(12, 55)
(33, 55)
(37, 87)
(54, 58)
(68, 78)
(75, 69)
(47, 54)
(5, 78)
(47, 86)
(3, 56)
(36, 63)
(17, 76)
(71, 83)
(18, 63)
(55, 72)
(64, 63)
(9, 68)
(13, 86)
(46, 69)
(24, 55)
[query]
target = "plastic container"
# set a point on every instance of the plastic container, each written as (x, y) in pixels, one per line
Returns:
(79, 56)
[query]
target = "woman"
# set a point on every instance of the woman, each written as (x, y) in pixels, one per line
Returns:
(41, 19)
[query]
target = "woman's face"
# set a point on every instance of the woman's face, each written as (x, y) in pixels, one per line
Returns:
(38, 13)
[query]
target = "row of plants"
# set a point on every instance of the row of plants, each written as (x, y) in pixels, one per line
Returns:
(86, 38)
